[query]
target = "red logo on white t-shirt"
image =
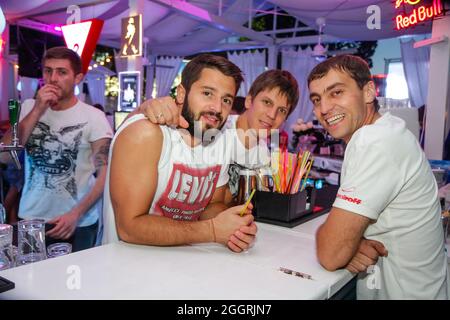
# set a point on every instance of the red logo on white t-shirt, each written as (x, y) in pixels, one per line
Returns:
(349, 199)
(188, 192)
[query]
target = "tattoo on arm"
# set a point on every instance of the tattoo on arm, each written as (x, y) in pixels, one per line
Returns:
(101, 157)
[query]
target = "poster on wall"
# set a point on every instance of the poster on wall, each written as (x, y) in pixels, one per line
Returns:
(129, 90)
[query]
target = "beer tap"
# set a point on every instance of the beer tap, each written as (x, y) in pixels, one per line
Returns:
(14, 112)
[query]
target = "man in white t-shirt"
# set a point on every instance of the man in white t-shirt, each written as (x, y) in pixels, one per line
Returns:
(66, 141)
(166, 186)
(385, 222)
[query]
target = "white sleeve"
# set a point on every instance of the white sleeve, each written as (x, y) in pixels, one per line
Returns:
(223, 178)
(26, 108)
(100, 127)
(370, 180)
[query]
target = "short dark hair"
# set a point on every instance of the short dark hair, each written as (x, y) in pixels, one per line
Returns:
(238, 105)
(356, 67)
(281, 79)
(194, 68)
(64, 53)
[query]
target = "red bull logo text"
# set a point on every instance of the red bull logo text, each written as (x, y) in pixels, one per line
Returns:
(418, 14)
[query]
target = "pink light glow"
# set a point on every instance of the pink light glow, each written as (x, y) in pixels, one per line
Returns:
(57, 28)
(193, 10)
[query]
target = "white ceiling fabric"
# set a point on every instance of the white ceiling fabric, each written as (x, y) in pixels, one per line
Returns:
(347, 18)
(174, 32)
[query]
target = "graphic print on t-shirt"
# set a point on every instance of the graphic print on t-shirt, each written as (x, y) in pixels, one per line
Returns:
(188, 192)
(53, 156)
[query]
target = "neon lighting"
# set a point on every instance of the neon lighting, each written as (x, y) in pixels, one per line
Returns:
(410, 2)
(418, 15)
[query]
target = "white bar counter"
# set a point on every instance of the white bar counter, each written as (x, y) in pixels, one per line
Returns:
(206, 271)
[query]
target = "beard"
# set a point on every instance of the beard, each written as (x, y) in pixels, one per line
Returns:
(193, 120)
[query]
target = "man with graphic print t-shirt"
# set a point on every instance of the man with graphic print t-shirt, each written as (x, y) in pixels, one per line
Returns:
(167, 187)
(66, 141)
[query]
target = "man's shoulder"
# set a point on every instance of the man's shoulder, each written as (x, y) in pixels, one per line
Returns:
(139, 138)
(140, 129)
(387, 129)
(87, 108)
(388, 137)
(27, 104)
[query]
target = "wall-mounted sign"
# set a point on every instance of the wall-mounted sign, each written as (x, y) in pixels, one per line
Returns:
(82, 38)
(129, 90)
(131, 38)
(415, 11)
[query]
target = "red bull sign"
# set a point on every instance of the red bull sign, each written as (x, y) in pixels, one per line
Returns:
(419, 13)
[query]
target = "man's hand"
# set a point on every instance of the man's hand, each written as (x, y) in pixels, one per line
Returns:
(46, 97)
(367, 255)
(65, 225)
(229, 222)
(300, 125)
(243, 238)
(164, 111)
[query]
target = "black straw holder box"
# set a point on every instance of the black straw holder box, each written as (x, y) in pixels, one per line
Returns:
(283, 207)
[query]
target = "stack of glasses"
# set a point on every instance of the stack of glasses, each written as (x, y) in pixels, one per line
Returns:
(31, 244)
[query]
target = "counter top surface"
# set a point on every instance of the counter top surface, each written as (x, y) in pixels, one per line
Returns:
(203, 271)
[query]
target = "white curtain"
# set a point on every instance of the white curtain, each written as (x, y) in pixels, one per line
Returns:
(416, 67)
(299, 63)
(166, 72)
(252, 65)
(28, 88)
(96, 86)
(150, 76)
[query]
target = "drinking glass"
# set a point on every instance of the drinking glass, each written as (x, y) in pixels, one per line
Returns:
(58, 249)
(6, 252)
(2, 214)
(31, 235)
